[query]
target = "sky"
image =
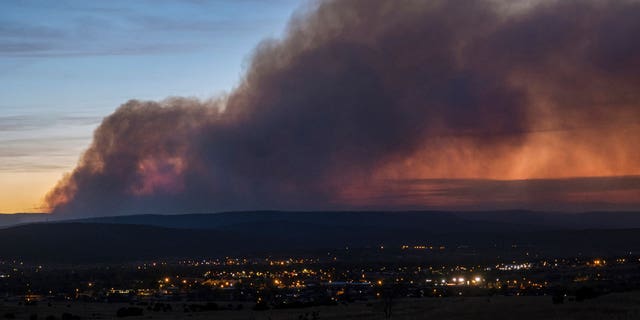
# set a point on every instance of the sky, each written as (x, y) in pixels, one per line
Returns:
(130, 107)
(64, 65)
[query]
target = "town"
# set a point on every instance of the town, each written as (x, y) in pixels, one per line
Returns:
(296, 282)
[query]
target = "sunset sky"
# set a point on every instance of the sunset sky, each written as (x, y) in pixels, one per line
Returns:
(64, 65)
(202, 106)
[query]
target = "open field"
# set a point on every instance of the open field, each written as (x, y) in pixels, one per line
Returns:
(612, 306)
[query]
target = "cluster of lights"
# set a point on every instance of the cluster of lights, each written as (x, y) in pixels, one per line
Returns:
(512, 267)
(416, 247)
(598, 262)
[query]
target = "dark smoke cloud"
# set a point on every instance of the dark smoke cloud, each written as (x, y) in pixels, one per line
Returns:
(363, 92)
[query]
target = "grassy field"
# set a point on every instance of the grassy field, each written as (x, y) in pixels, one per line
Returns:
(612, 306)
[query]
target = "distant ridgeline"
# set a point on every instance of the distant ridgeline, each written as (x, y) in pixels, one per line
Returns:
(442, 234)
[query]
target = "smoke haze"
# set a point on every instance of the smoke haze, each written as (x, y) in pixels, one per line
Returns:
(392, 104)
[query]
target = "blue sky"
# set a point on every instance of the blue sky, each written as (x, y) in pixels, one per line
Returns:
(64, 65)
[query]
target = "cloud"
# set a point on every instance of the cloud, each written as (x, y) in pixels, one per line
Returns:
(42, 142)
(565, 194)
(77, 28)
(360, 93)
(24, 122)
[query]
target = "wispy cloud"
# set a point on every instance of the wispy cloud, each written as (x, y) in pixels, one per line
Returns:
(38, 122)
(78, 28)
(42, 142)
(571, 194)
(54, 153)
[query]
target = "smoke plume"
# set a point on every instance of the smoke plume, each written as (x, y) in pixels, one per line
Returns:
(361, 95)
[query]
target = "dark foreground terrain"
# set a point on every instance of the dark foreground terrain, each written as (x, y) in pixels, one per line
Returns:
(611, 306)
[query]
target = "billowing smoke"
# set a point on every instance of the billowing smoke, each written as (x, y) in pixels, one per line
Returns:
(361, 95)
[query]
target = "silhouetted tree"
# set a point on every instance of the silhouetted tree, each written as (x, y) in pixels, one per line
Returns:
(388, 295)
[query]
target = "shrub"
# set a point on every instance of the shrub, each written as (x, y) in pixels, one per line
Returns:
(558, 299)
(69, 316)
(261, 306)
(129, 312)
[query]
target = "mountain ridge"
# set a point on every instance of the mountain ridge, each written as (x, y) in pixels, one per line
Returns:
(80, 242)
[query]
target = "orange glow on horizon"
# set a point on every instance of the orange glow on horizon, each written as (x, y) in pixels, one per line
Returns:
(22, 192)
